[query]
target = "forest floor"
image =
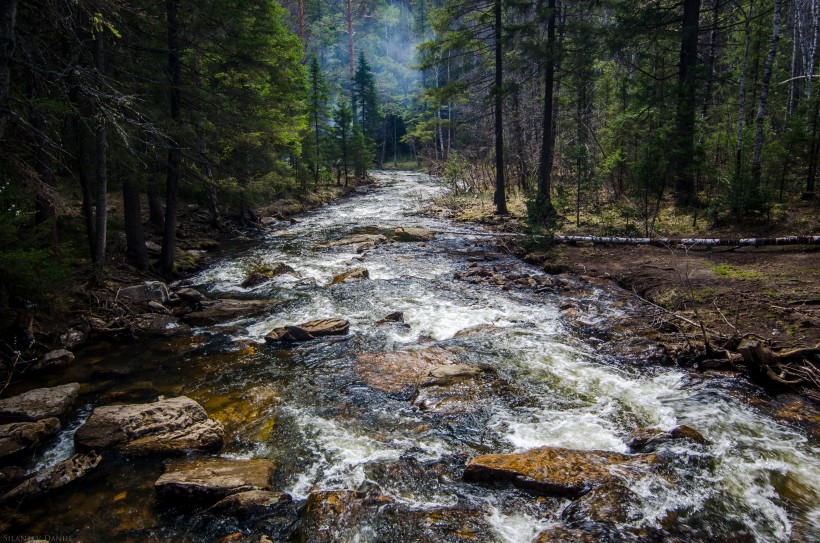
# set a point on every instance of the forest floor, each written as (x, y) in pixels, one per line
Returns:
(724, 294)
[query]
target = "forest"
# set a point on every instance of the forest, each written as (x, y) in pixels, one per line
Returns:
(602, 107)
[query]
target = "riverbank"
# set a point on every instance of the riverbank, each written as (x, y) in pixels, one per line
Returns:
(77, 311)
(701, 305)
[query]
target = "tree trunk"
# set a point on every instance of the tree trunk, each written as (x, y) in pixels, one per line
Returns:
(44, 208)
(8, 14)
(685, 113)
(166, 258)
(544, 199)
(815, 149)
(156, 216)
(764, 95)
(134, 236)
(351, 61)
(500, 197)
(100, 154)
(85, 186)
(741, 115)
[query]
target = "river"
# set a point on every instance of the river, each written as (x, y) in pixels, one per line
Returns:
(312, 409)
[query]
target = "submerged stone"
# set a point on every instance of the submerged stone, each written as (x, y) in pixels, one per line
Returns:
(174, 425)
(556, 470)
(40, 403)
(204, 480)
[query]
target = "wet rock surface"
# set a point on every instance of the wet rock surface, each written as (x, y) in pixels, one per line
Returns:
(611, 503)
(174, 425)
(265, 274)
(556, 470)
(19, 438)
(214, 312)
(356, 274)
(40, 403)
(647, 439)
(53, 478)
(208, 480)
(308, 330)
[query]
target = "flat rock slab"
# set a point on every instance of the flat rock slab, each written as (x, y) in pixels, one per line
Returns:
(220, 311)
(18, 438)
(212, 479)
(174, 425)
(40, 403)
(336, 515)
(309, 330)
(556, 470)
(55, 477)
(362, 240)
(410, 234)
(394, 372)
(611, 503)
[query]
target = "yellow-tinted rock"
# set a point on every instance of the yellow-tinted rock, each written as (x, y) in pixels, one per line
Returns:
(556, 470)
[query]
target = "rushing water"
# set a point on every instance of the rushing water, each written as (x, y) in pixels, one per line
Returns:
(307, 407)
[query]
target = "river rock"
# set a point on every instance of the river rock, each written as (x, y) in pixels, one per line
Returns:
(556, 470)
(158, 325)
(153, 249)
(395, 372)
(395, 316)
(174, 425)
(55, 477)
(208, 480)
(149, 290)
(593, 533)
(11, 476)
(265, 274)
(409, 234)
(219, 311)
(336, 515)
(309, 330)
(40, 403)
(609, 503)
(191, 295)
(351, 275)
(19, 438)
(252, 503)
(58, 358)
(72, 338)
(368, 240)
(647, 439)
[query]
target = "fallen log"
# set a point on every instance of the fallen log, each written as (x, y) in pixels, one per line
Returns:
(658, 242)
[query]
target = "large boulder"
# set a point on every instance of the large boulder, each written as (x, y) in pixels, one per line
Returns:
(40, 403)
(174, 425)
(220, 311)
(189, 294)
(355, 274)
(208, 480)
(148, 291)
(18, 438)
(52, 478)
(556, 470)
(252, 503)
(309, 330)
